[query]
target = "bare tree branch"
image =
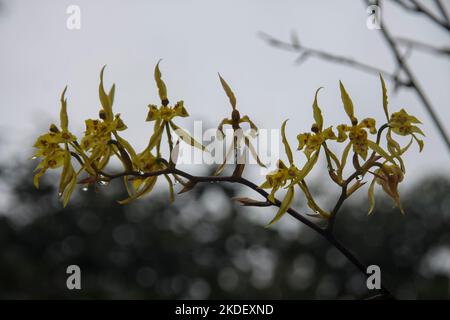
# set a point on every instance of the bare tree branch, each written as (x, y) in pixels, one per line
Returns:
(442, 10)
(412, 79)
(423, 46)
(306, 52)
(417, 7)
(401, 61)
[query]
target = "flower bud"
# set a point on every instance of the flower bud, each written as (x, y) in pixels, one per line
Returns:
(53, 128)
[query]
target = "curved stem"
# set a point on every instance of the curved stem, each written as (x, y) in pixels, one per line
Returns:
(324, 232)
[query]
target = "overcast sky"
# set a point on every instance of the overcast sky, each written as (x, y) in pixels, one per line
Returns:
(197, 39)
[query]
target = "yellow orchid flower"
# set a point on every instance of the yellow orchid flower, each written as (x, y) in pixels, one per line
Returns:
(54, 156)
(163, 117)
(276, 180)
(101, 138)
(141, 186)
(54, 159)
(312, 142)
(101, 141)
(48, 144)
(389, 177)
(235, 122)
(357, 132)
(280, 177)
(404, 124)
(288, 177)
(99, 132)
(147, 163)
(358, 135)
(166, 113)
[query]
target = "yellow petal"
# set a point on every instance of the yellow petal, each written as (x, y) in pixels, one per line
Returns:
(375, 147)
(253, 152)
(153, 113)
(342, 132)
(186, 137)
(67, 171)
(180, 110)
(220, 169)
(171, 191)
(385, 97)
(111, 94)
(156, 137)
(162, 89)
(285, 204)
(39, 174)
(129, 149)
(311, 202)
(104, 99)
(228, 91)
(317, 113)
(395, 149)
(369, 123)
(287, 147)
(419, 142)
(147, 187)
(63, 113)
(302, 140)
(347, 101)
(415, 129)
(307, 167)
(69, 190)
(266, 185)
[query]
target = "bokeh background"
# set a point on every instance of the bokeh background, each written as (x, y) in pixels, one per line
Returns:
(204, 245)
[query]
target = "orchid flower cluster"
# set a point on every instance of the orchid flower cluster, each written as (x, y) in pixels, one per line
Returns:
(84, 161)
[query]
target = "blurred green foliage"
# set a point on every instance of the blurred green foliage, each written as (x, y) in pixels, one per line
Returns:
(204, 246)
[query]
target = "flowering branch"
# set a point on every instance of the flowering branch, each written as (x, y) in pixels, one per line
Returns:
(102, 141)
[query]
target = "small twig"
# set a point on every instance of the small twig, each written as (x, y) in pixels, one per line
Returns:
(423, 46)
(442, 10)
(306, 52)
(417, 7)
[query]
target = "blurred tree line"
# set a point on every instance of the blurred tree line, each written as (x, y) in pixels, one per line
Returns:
(205, 246)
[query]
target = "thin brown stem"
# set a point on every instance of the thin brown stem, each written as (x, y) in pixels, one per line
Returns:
(442, 10)
(242, 181)
(417, 7)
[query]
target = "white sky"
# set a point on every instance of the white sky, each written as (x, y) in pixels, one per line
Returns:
(197, 39)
